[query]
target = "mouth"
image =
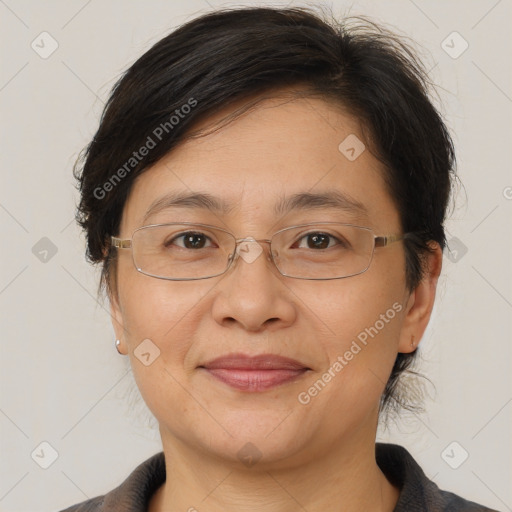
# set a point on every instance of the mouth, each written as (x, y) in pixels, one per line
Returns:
(254, 373)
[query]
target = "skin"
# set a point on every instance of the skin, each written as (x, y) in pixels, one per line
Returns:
(319, 456)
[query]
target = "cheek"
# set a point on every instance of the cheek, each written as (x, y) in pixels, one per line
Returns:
(347, 390)
(368, 303)
(365, 332)
(159, 324)
(164, 312)
(364, 316)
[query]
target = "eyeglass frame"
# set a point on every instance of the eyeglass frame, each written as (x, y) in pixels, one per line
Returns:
(378, 241)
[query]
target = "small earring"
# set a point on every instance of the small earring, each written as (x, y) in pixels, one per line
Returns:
(412, 342)
(118, 342)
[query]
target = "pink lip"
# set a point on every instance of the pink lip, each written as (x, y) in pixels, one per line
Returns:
(256, 373)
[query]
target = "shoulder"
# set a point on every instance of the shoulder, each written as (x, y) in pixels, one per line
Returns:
(133, 494)
(91, 505)
(417, 492)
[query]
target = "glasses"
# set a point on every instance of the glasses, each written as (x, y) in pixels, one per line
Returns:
(187, 251)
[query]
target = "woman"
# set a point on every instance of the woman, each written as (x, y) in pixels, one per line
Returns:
(266, 194)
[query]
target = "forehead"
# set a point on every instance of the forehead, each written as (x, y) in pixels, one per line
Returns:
(280, 148)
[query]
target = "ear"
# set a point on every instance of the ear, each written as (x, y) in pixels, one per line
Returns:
(421, 302)
(116, 316)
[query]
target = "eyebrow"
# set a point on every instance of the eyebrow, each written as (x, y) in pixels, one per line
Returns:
(331, 199)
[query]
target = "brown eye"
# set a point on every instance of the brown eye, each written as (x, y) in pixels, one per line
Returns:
(319, 240)
(189, 240)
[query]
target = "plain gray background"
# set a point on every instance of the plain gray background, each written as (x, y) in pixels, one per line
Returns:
(62, 381)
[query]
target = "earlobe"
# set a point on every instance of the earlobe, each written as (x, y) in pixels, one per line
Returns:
(421, 302)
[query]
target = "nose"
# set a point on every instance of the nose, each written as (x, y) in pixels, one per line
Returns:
(252, 293)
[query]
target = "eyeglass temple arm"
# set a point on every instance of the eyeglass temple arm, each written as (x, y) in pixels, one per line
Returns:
(120, 243)
(383, 241)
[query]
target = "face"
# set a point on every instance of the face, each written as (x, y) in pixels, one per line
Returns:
(345, 333)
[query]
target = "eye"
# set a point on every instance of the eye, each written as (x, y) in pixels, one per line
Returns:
(190, 240)
(319, 240)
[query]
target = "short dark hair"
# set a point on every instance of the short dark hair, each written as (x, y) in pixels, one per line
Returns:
(229, 55)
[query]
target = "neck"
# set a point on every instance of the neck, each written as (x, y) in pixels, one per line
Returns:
(346, 478)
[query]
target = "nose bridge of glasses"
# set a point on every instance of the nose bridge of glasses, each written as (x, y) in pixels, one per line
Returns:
(251, 239)
(249, 248)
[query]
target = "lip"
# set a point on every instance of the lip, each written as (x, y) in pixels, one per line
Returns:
(259, 362)
(255, 373)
